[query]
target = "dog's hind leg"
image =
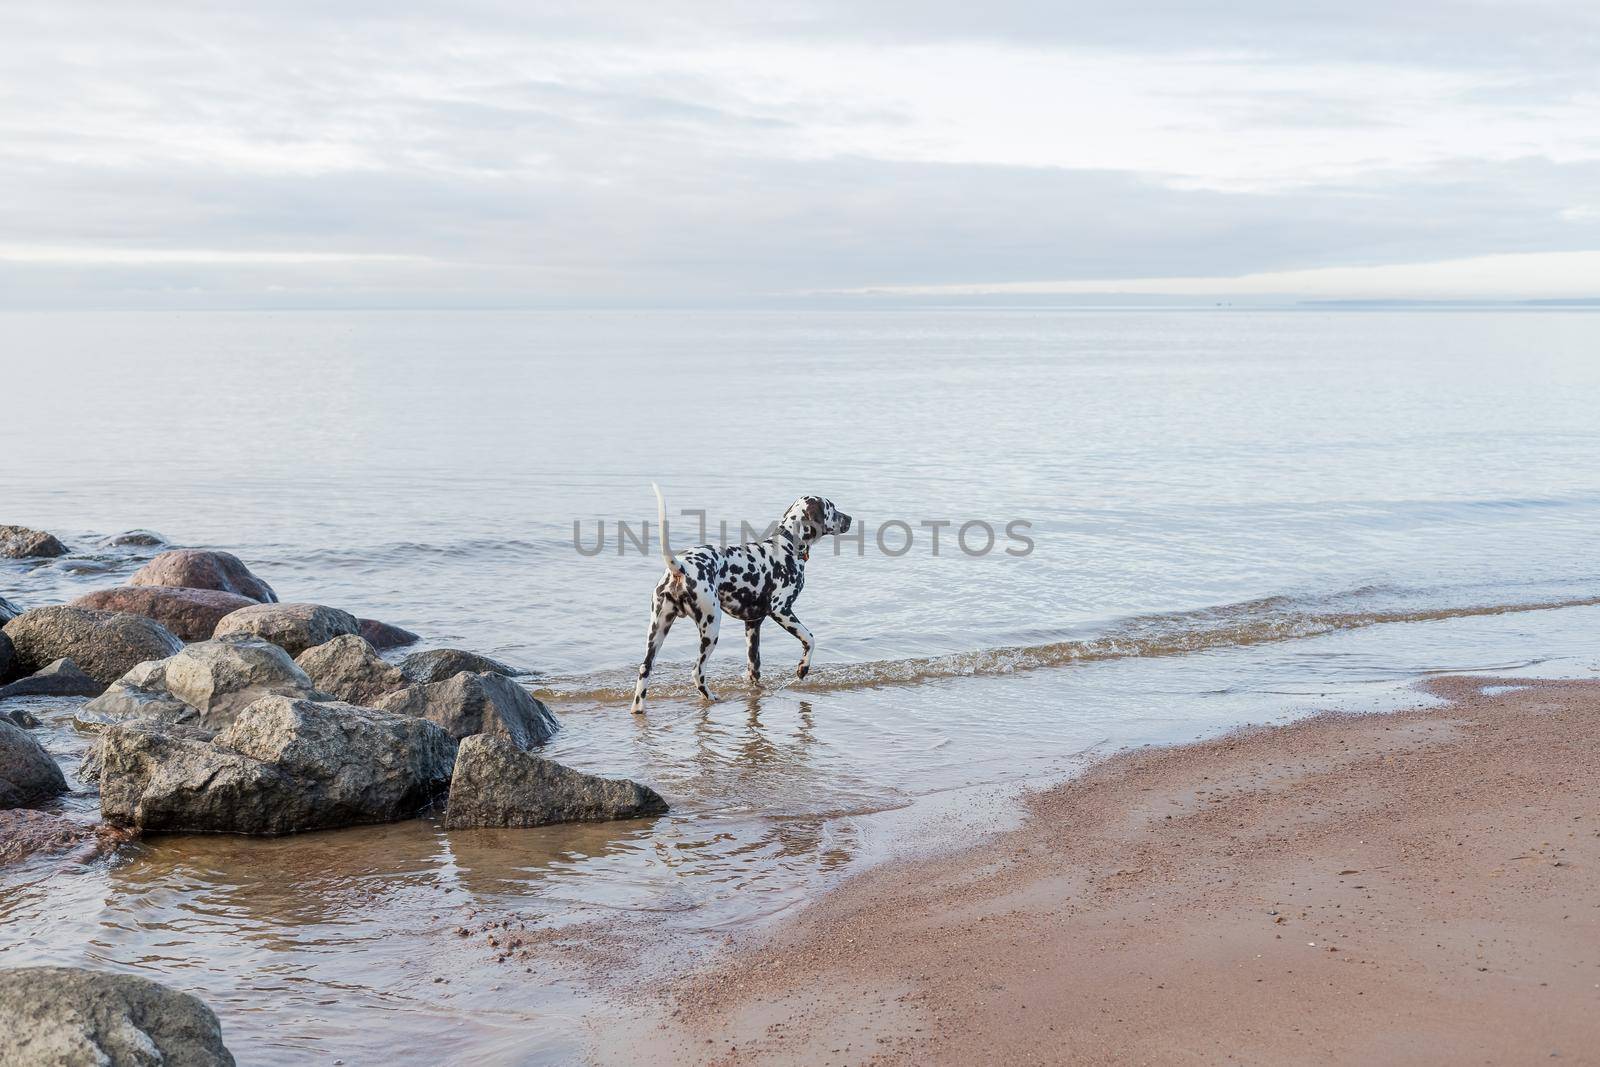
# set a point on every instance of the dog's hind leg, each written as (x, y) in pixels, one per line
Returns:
(798, 629)
(710, 622)
(752, 649)
(662, 612)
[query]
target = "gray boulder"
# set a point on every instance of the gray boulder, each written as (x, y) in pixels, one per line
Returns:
(8, 655)
(192, 614)
(105, 645)
(129, 703)
(28, 774)
(221, 677)
(61, 678)
(292, 627)
(477, 704)
(194, 568)
(8, 611)
(497, 784)
(437, 664)
(71, 1017)
(381, 635)
(20, 717)
(284, 765)
(90, 765)
(19, 542)
(349, 669)
(135, 539)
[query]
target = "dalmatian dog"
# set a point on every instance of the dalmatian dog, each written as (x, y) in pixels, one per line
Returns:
(752, 582)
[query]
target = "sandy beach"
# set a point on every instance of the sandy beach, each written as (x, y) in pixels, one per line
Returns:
(1415, 887)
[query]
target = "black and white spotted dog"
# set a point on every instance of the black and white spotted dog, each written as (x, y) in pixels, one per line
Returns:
(752, 582)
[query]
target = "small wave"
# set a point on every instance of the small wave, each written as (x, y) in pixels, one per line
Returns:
(1252, 622)
(409, 552)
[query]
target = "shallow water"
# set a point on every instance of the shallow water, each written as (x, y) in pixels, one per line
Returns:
(1236, 517)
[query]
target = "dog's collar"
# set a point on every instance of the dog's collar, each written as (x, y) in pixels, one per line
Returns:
(800, 546)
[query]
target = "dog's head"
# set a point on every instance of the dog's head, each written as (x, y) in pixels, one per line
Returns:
(812, 517)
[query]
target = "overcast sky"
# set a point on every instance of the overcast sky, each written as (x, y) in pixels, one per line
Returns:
(392, 153)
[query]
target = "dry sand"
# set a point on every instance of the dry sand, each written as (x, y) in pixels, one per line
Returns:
(1421, 887)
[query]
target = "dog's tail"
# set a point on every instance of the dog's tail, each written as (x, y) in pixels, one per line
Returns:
(673, 566)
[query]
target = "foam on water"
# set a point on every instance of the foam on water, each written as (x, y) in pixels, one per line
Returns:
(1269, 619)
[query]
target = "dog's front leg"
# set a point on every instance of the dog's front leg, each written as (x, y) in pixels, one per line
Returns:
(798, 629)
(752, 648)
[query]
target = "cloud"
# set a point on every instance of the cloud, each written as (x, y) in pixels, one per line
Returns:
(90, 256)
(1435, 33)
(1504, 277)
(572, 154)
(770, 228)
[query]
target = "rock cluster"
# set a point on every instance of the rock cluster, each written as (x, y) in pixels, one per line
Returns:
(273, 717)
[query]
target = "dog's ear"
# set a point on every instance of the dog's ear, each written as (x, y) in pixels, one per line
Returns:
(816, 514)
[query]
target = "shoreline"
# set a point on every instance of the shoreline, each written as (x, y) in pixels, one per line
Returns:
(1413, 886)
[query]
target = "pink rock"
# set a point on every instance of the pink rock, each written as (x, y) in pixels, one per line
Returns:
(292, 627)
(190, 613)
(194, 568)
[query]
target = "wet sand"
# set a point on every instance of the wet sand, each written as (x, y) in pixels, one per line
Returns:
(1416, 887)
